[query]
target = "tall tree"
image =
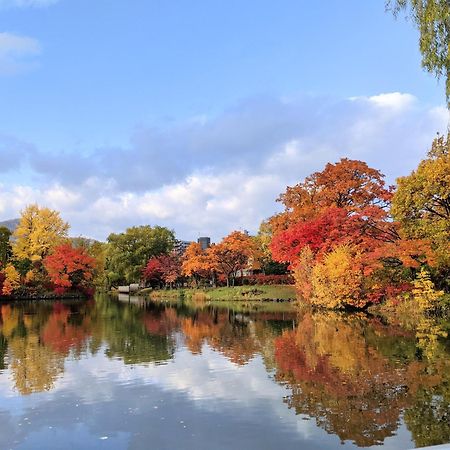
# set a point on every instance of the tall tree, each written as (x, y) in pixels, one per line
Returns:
(40, 230)
(432, 18)
(129, 252)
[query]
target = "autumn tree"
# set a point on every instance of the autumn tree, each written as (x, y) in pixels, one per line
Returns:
(70, 268)
(347, 205)
(422, 201)
(40, 230)
(129, 252)
(348, 184)
(232, 255)
(11, 280)
(152, 273)
(432, 18)
(337, 282)
(163, 268)
(303, 271)
(196, 263)
(5, 245)
(424, 292)
(170, 268)
(333, 227)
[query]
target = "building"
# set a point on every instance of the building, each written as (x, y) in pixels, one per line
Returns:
(181, 246)
(205, 242)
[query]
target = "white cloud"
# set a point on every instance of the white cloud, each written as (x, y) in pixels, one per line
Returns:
(393, 100)
(224, 173)
(17, 52)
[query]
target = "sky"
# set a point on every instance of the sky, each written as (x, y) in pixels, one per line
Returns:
(197, 115)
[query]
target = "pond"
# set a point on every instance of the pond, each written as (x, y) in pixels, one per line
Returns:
(119, 374)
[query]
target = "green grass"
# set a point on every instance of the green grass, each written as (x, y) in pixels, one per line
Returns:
(227, 294)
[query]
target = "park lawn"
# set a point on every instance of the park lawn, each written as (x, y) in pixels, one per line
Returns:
(233, 293)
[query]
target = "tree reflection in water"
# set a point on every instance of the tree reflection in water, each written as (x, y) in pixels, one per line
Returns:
(349, 374)
(356, 376)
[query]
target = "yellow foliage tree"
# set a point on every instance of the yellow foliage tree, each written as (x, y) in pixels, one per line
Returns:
(40, 230)
(12, 280)
(424, 291)
(337, 281)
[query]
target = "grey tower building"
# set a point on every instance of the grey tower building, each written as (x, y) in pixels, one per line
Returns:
(205, 242)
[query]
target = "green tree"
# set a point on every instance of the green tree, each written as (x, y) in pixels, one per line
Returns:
(5, 245)
(129, 252)
(432, 18)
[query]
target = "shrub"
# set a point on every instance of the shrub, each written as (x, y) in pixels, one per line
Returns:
(252, 280)
(337, 282)
(424, 293)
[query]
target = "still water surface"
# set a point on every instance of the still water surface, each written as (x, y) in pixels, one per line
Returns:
(137, 375)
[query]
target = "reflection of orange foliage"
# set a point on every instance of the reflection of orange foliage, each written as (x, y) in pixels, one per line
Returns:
(340, 380)
(228, 337)
(238, 349)
(10, 319)
(60, 335)
(161, 323)
(196, 332)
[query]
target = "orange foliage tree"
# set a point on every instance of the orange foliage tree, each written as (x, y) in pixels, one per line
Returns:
(232, 255)
(70, 268)
(348, 184)
(344, 206)
(196, 263)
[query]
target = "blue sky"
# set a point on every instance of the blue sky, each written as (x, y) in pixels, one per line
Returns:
(196, 114)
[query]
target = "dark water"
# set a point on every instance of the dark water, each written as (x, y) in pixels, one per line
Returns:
(120, 375)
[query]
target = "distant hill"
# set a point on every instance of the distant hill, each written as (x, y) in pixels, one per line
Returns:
(10, 224)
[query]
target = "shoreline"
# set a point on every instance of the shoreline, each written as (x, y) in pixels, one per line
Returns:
(256, 293)
(50, 296)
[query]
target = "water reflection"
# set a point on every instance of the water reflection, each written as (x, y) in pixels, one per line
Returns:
(359, 380)
(355, 377)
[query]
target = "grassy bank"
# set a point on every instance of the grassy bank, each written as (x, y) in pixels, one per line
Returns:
(261, 293)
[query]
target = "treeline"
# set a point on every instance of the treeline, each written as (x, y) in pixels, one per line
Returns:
(347, 238)
(39, 257)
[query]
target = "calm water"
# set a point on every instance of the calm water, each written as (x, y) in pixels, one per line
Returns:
(136, 375)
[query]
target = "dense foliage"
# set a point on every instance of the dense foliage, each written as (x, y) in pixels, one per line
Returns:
(129, 252)
(69, 268)
(344, 247)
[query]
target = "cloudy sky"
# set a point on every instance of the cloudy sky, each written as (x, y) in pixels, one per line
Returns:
(196, 115)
